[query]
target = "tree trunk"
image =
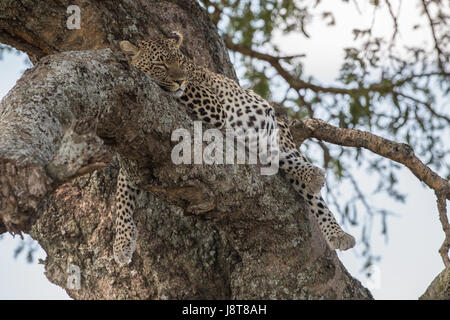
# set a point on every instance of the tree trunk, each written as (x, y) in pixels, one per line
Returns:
(65, 121)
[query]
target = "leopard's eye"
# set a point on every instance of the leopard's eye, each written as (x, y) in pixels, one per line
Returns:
(161, 65)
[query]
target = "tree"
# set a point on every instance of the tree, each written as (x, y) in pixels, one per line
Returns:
(65, 121)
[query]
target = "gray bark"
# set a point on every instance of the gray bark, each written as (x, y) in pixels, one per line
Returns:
(439, 289)
(66, 119)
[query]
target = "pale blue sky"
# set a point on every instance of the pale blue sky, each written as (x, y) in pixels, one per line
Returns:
(410, 259)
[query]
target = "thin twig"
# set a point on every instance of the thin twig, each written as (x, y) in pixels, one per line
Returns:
(425, 104)
(394, 21)
(298, 84)
(433, 32)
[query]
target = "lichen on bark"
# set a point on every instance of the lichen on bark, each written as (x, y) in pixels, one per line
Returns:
(439, 289)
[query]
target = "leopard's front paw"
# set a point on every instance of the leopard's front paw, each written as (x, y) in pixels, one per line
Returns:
(122, 257)
(315, 180)
(342, 241)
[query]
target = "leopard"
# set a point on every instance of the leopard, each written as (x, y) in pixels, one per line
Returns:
(222, 103)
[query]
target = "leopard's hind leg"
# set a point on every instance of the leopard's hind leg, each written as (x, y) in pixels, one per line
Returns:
(295, 164)
(307, 180)
(126, 232)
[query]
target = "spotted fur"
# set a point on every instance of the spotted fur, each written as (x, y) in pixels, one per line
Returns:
(222, 103)
(126, 232)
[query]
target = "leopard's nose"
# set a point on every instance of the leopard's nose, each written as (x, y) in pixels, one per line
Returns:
(179, 82)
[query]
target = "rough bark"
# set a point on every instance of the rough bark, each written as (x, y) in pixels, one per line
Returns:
(64, 121)
(439, 289)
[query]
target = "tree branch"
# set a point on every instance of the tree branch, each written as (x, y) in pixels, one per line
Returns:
(441, 196)
(394, 20)
(298, 84)
(398, 152)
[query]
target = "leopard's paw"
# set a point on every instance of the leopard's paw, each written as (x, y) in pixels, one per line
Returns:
(315, 180)
(342, 241)
(124, 247)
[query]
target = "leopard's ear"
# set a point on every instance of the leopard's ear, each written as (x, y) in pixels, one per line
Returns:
(128, 47)
(178, 37)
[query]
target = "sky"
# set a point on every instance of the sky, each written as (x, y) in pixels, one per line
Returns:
(410, 258)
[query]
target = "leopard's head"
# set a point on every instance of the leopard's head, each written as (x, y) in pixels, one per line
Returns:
(162, 60)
